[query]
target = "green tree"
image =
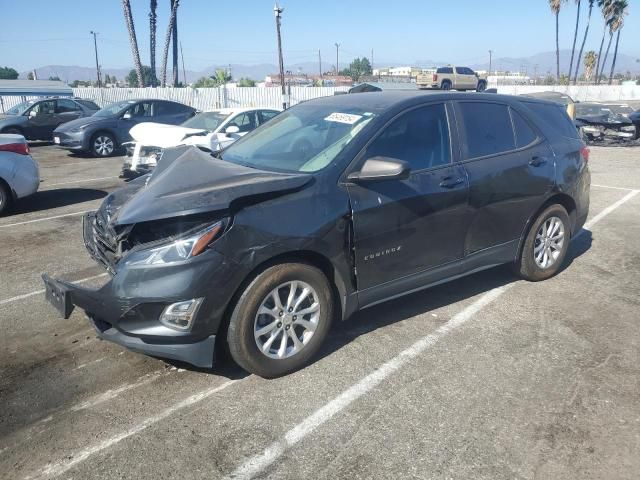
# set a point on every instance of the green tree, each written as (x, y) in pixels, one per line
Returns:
(55, 79)
(30, 76)
(205, 82)
(620, 10)
(132, 78)
(217, 80)
(8, 73)
(606, 9)
(589, 64)
(167, 40)
(246, 82)
(358, 68)
(153, 21)
(128, 17)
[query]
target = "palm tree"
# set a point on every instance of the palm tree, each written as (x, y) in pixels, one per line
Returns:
(575, 38)
(167, 40)
(153, 17)
(589, 64)
(612, 25)
(605, 8)
(620, 10)
(584, 40)
(555, 8)
(126, 7)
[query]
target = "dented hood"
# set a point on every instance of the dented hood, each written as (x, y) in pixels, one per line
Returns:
(188, 181)
(163, 136)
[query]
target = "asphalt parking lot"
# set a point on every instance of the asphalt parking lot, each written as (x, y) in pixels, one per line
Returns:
(486, 377)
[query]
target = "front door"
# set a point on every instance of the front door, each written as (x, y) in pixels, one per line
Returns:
(402, 227)
(42, 120)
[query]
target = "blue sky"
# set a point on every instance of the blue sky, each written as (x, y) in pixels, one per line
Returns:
(42, 32)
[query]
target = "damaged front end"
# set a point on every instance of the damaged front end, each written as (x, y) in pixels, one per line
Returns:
(157, 238)
(600, 125)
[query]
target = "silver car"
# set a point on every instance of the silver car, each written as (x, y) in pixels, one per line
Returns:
(19, 173)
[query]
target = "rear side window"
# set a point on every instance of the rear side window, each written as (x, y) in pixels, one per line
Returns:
(460, 71)
(168, 108)
(445, 70)
(555, 116)
(88, 104)
(64, 106)
(419, 137)
(488, 129)
(524, 133)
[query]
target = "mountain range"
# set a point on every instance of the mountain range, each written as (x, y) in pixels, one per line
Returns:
(542, 63)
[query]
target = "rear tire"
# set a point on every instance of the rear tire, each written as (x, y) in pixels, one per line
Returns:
(264, 343)
(545, 246)
(482, 86)
(446, 85)
(6, 199)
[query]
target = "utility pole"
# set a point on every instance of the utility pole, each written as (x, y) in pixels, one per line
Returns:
(277, 10)
(372, 61)
(95, 46)
(337, 59)
(320, 65)
(535, 74)
(490, 60)
(184, 72)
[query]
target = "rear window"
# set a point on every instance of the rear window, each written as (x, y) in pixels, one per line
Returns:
(524, 133)
(445, 70)
(88, 104)
(555, 116)
(488, 129)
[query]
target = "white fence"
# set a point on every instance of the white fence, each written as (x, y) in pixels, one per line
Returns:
(210, 98)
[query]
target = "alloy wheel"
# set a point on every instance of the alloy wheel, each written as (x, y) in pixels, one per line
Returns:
(286, 320)
(103, 145)
(549, 242)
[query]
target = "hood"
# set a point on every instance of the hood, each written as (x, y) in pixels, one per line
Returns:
(189, 181)
(82, 121)
(163, 136)
(609, 120)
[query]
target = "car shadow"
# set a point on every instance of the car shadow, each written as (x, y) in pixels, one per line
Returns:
(55, 198)
(40, 143)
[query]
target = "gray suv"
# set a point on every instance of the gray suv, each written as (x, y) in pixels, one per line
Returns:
(37, 119)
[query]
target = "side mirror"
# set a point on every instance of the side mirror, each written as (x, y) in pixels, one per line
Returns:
(231, 129)
(126, 116)
(378, 169)
(32, 113)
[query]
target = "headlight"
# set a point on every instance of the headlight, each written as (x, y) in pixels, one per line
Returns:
(177, 251)
(630, 128)
(79, 129)
(591, 129)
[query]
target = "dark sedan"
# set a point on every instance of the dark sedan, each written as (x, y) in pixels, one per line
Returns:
(103, 133)
(36, 119)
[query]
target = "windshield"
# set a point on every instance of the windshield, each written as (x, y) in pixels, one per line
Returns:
(306, 138)
(587, 109)
(622, 109)
(112, 109)
(19, 109)
(205, 121)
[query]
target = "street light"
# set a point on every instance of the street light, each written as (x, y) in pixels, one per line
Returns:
(95, 46)
(277, 11)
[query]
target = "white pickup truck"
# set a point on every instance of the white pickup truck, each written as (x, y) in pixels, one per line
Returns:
(452, 78)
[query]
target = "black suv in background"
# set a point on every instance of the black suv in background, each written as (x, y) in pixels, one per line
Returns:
(103, 133)
(333, 206)
(37, 119)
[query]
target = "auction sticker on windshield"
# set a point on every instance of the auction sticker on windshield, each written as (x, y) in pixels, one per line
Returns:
(347, 118)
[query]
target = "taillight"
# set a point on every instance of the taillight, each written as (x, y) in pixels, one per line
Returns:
(584, 151)
(435, 77)
(21, 148)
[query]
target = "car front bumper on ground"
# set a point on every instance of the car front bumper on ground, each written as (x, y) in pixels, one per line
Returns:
(127, 309)
(70, 140)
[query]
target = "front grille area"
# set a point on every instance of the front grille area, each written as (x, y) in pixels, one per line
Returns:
(100, 239)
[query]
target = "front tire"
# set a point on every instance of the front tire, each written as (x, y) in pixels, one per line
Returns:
(103, 144)
(545, 246)
(281, 320)
(5, 198)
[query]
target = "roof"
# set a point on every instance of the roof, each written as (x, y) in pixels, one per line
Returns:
(382, 86)
(381, 101)
(229, 111)
(42, 88)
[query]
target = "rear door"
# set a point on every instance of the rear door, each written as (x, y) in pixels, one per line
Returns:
(510, 168)
(171, 113)
(462, 79)
(66, 110)
(266, 115)
(42, 120)
(402, 227)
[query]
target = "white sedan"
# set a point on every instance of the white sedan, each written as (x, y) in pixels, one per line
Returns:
(213, 130)
(19, 173)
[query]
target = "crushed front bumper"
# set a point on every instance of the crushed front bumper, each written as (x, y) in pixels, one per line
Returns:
(66, 296)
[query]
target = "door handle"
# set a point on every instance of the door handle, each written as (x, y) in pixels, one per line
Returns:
(449, 182)
(537, 162)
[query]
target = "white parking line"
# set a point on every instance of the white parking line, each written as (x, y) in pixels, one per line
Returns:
(44, 219)
(258, 463)
(38, 292)
(613, 188)
(255, 465)
(58, 468)
(45, 184)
